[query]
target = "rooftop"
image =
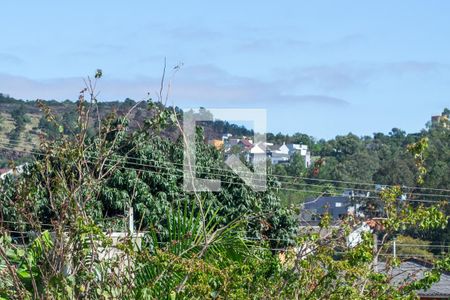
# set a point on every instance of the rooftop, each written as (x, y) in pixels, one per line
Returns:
(414, 269)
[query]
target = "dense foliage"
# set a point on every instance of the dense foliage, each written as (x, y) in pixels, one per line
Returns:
(58, 216)
(361, 163)
(149, 177)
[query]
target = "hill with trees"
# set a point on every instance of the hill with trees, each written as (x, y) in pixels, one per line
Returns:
(57, 219)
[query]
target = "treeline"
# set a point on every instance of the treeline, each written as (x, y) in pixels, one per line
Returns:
(56, 220)
(362, 163)
(379, 159)
(66, 112)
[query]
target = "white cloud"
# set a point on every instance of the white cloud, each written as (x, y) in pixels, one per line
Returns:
(351, 75)
(202, 85)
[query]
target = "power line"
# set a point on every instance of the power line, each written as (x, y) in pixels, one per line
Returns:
(419, 245)
(251, 239)
(235, 183)
(289, 177)
(228, 170)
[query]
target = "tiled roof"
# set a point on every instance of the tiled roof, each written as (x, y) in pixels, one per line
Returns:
(273, 147)
(246, 143)
(413, 269)
(328, 204)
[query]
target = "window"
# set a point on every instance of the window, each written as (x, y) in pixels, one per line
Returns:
(338, 204)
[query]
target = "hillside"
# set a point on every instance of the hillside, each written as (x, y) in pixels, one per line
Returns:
(22, 122)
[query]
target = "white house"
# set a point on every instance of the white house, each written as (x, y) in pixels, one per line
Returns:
(284, 153)
(17, 170)
(280, 155)
(258, 153)
(302, 150)
(262, 150)
(226, 136)
(297, 148)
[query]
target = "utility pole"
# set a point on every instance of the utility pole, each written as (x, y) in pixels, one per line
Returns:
(395, 247)
(375, 251)
(131, 219)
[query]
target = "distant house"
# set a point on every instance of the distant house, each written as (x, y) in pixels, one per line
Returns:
(279, 154)
(355, 237)
(301, 150)
(232, 142)
(337, 207)
(258, 153)
(283, 149)
(285, 152)
(254, 151)
(414, 269)
(218, 144)
(357, 193)
(297, 148)
(17, 170)
(226, 136)
(246, 143)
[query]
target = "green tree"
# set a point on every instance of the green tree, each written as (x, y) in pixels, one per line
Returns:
(232, 244)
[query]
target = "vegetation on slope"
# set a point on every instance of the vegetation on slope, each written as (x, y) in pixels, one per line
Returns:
(55, 238)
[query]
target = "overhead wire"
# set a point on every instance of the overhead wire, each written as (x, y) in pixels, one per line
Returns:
(223, 181)
(227, 175)
(281, 176)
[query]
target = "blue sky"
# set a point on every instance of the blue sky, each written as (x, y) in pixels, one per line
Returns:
(318, 67)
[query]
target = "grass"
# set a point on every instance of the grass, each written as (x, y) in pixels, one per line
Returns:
(27, 137)
(6, 126)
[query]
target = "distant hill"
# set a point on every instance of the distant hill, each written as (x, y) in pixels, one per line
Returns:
(22, 122)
